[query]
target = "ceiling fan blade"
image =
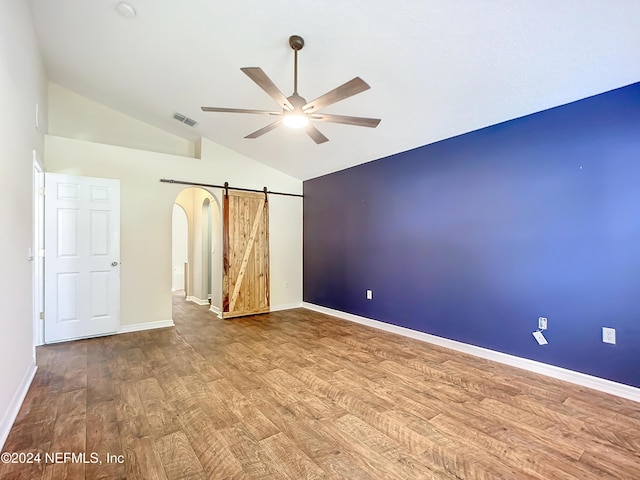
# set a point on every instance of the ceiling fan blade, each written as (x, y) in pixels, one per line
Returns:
(346, 90)
(257, 75)
(358, 121)
(316, 135)
(264, 130)
(238, 110)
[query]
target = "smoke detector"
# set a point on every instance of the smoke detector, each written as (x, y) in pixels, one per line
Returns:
(125, 10)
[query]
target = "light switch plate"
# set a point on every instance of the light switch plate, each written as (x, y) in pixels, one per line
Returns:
(609, 335)
(369, 294)
(542, 323)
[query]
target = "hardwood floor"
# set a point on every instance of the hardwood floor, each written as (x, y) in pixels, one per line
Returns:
(301, 395)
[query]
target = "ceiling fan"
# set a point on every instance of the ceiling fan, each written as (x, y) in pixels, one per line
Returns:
(296, 111)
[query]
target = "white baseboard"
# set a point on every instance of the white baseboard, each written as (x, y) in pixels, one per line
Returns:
(589, 381)
(216, 310)
(284, 306)
(16, 402)
(197, 300)
(138, 327)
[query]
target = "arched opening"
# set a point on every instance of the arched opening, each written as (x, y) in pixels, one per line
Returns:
(203, 270)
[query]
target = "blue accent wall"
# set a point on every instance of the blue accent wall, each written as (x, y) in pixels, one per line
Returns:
(473, 238)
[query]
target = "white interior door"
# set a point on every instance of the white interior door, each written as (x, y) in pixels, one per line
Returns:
(82, 257)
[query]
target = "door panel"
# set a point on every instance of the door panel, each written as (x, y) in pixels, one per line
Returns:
(245, 285)
(82, 257)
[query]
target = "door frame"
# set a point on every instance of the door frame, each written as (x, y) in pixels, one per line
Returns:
(36, 255)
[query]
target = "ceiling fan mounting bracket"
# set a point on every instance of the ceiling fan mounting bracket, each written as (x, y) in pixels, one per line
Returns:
(296, 42)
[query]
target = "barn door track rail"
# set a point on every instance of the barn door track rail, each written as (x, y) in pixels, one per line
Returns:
(226, 187)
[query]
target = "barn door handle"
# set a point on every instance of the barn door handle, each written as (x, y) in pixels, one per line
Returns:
(114, 264)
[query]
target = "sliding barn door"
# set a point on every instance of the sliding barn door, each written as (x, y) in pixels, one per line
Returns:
(245, 282)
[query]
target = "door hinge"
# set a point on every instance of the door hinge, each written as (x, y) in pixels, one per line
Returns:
(41, 315)
(41, 191)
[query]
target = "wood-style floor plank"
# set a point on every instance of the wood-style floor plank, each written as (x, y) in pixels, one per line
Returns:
(103, 438)
(178, 458)
(300, 395)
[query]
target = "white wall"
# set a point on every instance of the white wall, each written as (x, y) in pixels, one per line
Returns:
(179, 246)
(22, 85)
(147, 206)
(75, 116)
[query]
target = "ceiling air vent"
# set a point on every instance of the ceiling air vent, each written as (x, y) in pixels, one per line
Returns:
(184, 119)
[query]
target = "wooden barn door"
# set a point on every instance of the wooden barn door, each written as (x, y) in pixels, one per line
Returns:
(245, 281)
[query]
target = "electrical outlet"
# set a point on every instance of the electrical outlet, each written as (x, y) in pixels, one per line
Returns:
(609, 335)
(369, 294)
(540, 338)
(542, 323)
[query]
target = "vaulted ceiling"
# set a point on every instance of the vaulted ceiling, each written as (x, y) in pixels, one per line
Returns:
(437, 68)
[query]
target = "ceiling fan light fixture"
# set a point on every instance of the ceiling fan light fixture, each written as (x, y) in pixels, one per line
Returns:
(295, 120)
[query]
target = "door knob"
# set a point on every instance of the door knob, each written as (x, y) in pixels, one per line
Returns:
(114, 264)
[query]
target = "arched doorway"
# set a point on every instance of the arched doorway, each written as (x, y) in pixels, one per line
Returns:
(203, 272)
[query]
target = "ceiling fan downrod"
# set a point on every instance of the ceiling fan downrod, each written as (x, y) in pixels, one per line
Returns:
(296, 42)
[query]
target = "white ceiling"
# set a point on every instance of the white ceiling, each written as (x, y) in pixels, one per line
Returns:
(436, 68)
